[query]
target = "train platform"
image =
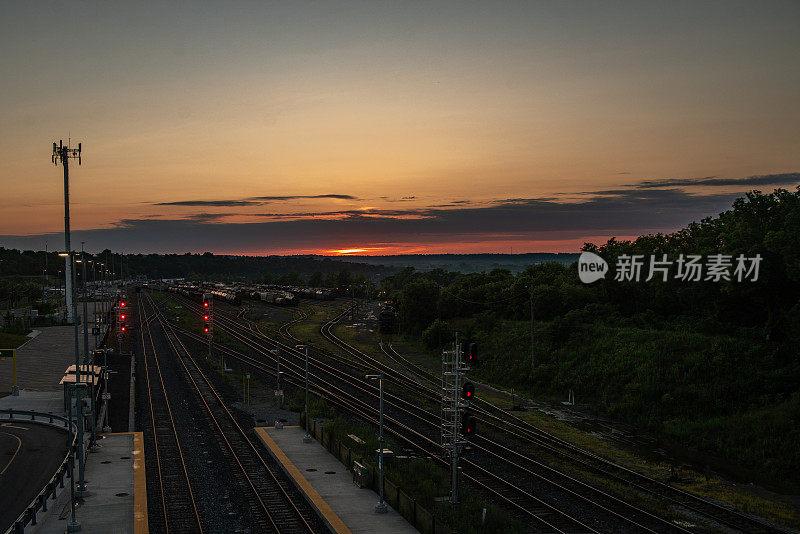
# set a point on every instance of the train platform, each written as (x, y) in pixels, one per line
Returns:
(328, 486)
(116, 499)
(42, 360)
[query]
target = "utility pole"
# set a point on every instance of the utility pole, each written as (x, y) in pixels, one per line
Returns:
(44, 284)
(278, 372)
(85, 309)
(73, 525)
(307, 437)
(533, 361)
(380, 508)
(86, 362)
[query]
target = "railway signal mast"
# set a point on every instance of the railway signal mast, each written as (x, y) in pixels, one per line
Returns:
(457, 393)
(122, 322)
(208, 326)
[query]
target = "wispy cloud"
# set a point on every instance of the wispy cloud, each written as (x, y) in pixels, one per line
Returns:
(789, 178)
(252, 201)
(210, 203)
(208, 217)
(295, 197)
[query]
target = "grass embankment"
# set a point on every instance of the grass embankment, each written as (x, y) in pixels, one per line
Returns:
(783, 509)
(12, 341)
(665, 381)
(308, 329)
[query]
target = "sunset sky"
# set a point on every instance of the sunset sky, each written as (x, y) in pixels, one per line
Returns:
(390, 127)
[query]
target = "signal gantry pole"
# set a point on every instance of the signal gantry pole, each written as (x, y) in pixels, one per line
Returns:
(456, 426)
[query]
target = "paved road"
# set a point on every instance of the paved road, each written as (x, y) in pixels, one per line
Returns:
(29, 455)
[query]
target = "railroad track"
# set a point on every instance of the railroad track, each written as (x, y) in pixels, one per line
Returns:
(517, 498)
(499, 419)
(174, 490)
(609, 504)
(276, 505)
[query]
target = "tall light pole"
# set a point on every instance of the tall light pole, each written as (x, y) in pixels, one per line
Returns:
(278, 374)
(307, 437)
(58, 297)
(380, 508)
(73, 525)
(102, 293)
(44, 283)
(85, 309)
(86, 345)
(533, 361)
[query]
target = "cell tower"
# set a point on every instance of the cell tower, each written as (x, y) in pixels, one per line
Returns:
(62, 154)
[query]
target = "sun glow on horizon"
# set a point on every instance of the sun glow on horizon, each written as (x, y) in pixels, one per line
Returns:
(346, 251)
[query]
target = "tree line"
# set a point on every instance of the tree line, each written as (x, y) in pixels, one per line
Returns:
(709, 364)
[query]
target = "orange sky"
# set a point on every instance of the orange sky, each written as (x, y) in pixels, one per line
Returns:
(389, 110)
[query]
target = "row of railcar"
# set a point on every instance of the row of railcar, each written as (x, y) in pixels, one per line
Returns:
(317, 293)
(228, 295)
(197, 291)
(276, 297)
(271, 294)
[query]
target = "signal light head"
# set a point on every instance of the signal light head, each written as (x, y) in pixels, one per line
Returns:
(467, 391)
(472, 355)
(468, 427)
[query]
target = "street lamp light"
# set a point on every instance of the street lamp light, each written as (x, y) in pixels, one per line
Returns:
(307, 437)
(380, 508)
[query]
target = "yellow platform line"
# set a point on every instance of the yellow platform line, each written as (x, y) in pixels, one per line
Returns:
(140, 522)
(330, 517)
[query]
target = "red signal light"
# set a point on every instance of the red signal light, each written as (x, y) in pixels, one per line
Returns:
(467, 391)
(468, 428)
(205, 304)
(206, 329)
(122, 317)
(472, 355)
(122, 328)
(122, 303)
(205, 317)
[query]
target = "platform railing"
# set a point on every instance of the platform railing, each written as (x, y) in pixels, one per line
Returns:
(28, 516)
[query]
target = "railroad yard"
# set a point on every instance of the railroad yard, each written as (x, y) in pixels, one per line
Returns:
(200, 394)
(397, 267)
(215, 371)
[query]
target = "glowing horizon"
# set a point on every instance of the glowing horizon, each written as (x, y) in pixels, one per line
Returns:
(337, 126)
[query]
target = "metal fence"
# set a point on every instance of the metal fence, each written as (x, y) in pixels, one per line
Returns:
(28, 516)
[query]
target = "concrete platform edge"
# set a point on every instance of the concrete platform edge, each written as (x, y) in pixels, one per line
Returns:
(324, 511)
(132, 400)
(140, 517)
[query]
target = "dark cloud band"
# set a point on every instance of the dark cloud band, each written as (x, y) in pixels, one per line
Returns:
(251, 201)
(626, 211)
(751, 181)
